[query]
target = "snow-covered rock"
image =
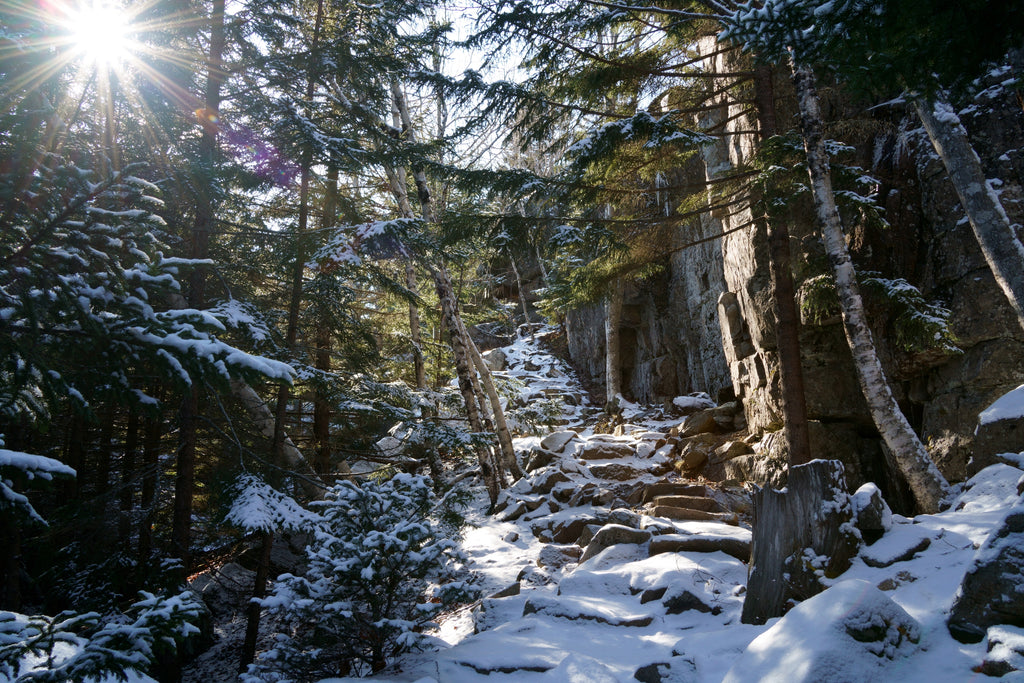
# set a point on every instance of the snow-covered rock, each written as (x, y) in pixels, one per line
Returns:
(1000, 430)
(992, 591)
(850, 632)
(872, 515)
(556, 441)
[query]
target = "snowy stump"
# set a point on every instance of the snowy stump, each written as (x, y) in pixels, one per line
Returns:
(801, 535)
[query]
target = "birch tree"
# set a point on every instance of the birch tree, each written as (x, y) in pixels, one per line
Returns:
(778, 32)
(884, 46)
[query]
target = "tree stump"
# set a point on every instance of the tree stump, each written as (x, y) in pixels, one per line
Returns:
(802, 534)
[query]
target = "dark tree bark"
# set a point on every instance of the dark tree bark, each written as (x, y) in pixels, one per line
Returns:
(787, 321)
(10, 561)
(129, 471)
(253, 609)
(147, 499)
(322, 352)
(184, 483)
(299, 265)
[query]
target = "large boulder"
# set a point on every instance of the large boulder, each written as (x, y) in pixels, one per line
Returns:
(538, 458)
(992, 591)
(1005, 651)
(495, 359)
(1000, 430)
(850, 632)
(614, 534)
(544, 484)
(605, 450)
(615, 471)
(703, 422)
(225, 589)
(557, 556)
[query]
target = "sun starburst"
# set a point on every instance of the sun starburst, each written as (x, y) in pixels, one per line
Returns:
(101, 33)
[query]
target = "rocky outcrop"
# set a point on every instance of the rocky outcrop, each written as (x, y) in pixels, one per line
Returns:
(708, 322)
(1000, 430)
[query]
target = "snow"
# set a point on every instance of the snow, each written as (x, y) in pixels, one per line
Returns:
(822, 639)
(693, 401)
(567, 623)
(259, 507)
(34, 465)
(1009, 406)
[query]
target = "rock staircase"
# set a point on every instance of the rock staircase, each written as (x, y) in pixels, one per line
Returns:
(647, 512)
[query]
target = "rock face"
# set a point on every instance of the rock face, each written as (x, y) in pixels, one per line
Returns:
(707, 323)
(225, 590)
(991, 591)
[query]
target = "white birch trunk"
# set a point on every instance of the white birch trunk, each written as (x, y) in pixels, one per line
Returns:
(612, 350)
(489, 467)
(396, 179)
(999, 244)
(926, 482)
(289, 456)
(519, 288)
(508, 452)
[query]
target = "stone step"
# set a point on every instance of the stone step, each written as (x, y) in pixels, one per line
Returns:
(677, 543)
(691, 502)
(686, 514)
(664, 488)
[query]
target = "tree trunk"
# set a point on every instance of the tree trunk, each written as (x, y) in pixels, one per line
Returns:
(184, 480)
(926, 482)
(129, 470)
(253, 609)
(812, 513)
(181, 525)
(74, 454)
(1003, 251)
(787, 322)
(299, 265)
(104, 458)
(464, 372)
(322, 343)
(490, 467)
(288, 455)
(612, 352)
(321, 408)
(150, 466)
(508, 451)
(419, 367)
(10, 561)
(519, 288)
(397, 179)
(540, 263)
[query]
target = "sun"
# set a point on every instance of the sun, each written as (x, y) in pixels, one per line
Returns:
(100, 32)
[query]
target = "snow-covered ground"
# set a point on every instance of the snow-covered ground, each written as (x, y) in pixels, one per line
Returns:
(627, 615)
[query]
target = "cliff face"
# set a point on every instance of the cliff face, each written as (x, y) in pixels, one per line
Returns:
(707, 322)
